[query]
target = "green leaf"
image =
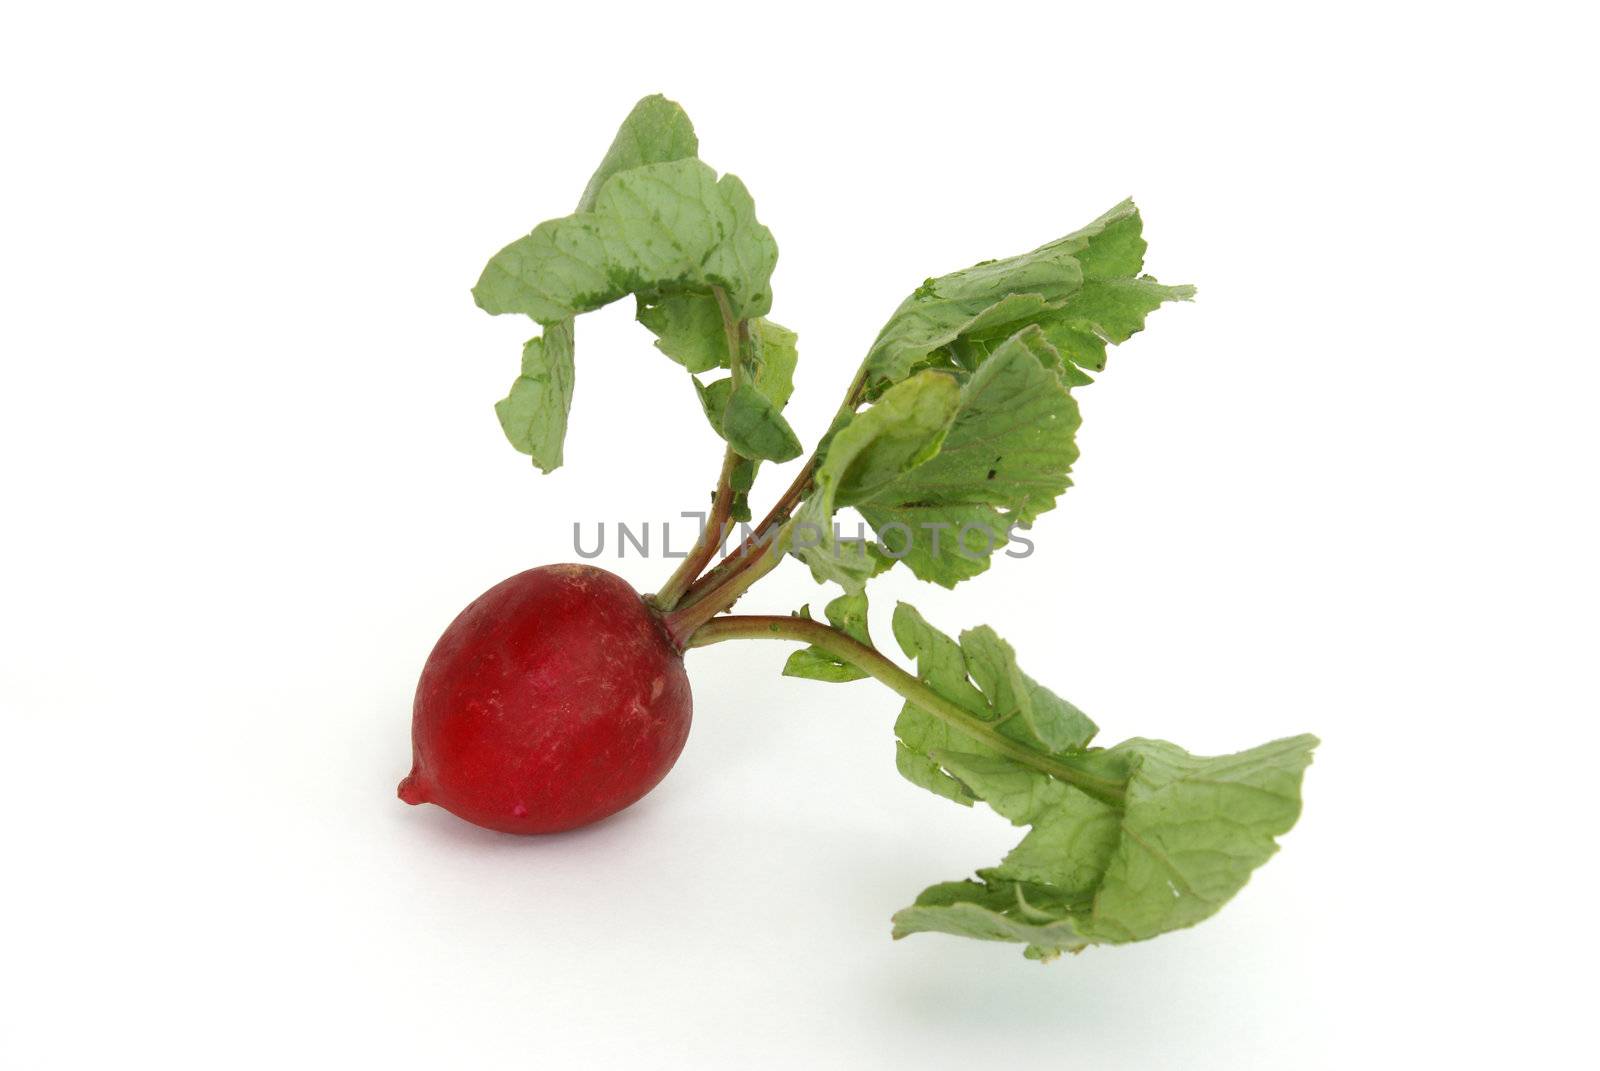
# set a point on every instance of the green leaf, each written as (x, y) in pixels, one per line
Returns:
(980, 675)
(1111, 311)
(534, 414)
(1186, 840)
(1072, 837)
(773, 360)
(1178, 838)
(922, 771)
(878, 446)
(941, 663)
(1006, 458)
(751, 418)
(653, 230)
(1050, 720)
(929, 320)
(1018, 333)
(756, 429)
(848, 614)
(1084, 290)
(1194, 830)
(993, 911)
(996, 911)
(919, 735)
(741, 480)
(657, 131)
(688, 328)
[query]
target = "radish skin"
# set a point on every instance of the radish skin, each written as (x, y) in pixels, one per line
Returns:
(553, 701)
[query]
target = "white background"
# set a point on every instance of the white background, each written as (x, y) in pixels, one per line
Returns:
(251, 471)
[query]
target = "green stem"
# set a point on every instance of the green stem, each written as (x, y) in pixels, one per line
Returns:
(734, 331)
(871, 661)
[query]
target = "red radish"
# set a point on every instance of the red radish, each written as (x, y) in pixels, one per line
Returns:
(559, 697)
(552, 701)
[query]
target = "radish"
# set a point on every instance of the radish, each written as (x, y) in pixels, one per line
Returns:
(559, 696)
(552, 701)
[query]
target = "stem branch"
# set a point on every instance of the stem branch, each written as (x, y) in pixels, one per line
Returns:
(687, 619)
(871, 661)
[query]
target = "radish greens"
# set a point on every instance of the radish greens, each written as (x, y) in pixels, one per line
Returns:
(958, 429)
